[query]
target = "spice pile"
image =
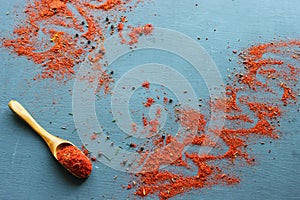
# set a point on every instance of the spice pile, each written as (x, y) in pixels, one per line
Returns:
(75, 161)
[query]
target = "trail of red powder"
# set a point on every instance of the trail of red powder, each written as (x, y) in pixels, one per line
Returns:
(258, 113)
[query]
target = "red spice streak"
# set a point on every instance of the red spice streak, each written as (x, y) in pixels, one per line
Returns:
(75, 161)
(244, 105)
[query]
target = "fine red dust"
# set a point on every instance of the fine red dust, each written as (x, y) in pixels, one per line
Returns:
(80, 32)
(280, 79)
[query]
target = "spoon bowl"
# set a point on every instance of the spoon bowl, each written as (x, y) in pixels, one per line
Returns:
(54, 143)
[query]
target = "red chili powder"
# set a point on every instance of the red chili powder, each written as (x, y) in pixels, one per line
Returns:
(150, 101)
(146, 84)
(134, 127)
(247, 102)
(150, 126)
(59, 51)
(136, 32)
(166, 100)
(158, 113)
(75, 161)
(145, 121)
(94, 136)
(153, 125)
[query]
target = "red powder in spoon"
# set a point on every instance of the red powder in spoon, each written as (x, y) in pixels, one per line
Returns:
(75, 161)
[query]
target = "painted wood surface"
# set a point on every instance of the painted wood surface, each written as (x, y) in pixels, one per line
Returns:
(29, 172)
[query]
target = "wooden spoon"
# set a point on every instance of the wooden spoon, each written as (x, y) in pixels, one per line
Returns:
(54, 143)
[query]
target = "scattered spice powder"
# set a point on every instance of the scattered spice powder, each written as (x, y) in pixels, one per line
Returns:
(145, 121)
(58, 52)
(244, 104)
(158, 112)
(94, 136)
(153, 125)
(150, 101)
(146, 84)
(134, 127)
(136, 32)
(166, 100)
(85, 151)
(75, 161)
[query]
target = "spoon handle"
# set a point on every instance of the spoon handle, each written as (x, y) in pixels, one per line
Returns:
(17, 108)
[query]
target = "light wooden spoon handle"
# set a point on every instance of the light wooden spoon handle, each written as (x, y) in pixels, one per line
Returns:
(51, 140)
(17, 108)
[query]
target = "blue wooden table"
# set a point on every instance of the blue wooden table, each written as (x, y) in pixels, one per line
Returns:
(29, 172)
